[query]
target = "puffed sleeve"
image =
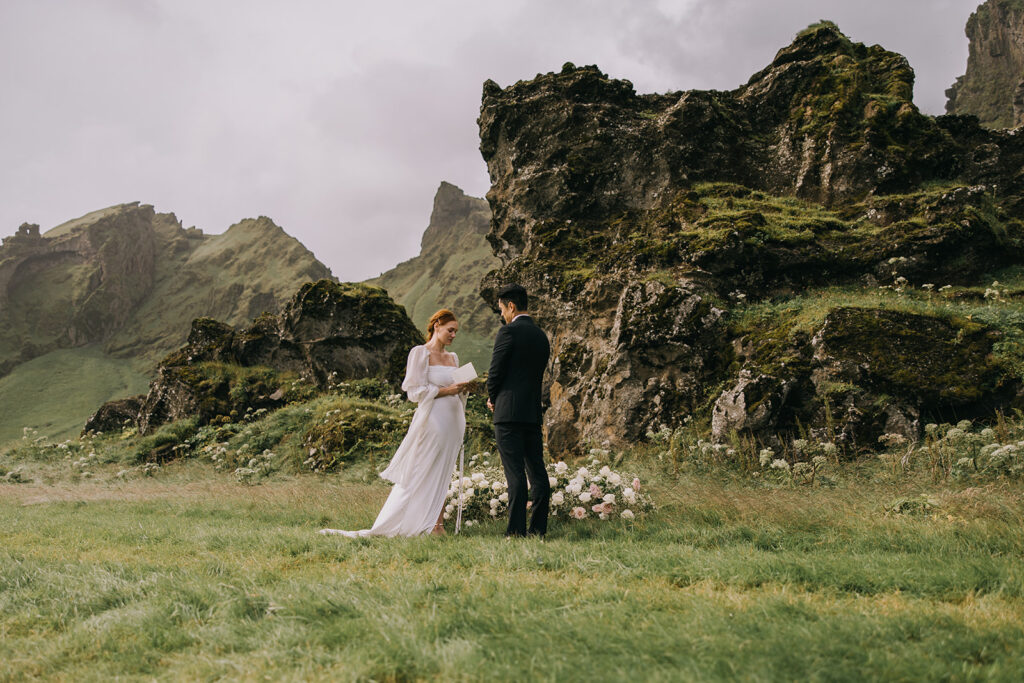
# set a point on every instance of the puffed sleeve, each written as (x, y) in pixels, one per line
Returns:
(416, 385)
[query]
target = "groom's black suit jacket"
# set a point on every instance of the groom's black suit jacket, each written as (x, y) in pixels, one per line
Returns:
(514, 380)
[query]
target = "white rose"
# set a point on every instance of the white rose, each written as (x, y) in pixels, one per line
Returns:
(503, 497)
(582, 473)
(449, 507)
(557, 498)
(494, 512)
(627, 514)
(477, 476)
(466, 481)
(609, 498)
(493, 502)
(552, 482)
(614, 479)
(605, 471)
(561, 467)
(585, 497)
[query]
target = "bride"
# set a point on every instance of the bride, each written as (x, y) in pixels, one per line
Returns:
(422, 466)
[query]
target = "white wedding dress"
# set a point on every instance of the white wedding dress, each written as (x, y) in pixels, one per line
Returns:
(422, 467)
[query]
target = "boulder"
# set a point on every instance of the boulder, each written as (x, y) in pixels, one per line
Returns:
(114, 416)
(328, 332)
(865, 373)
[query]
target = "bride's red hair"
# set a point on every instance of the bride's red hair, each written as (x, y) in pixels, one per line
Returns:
(440, 318)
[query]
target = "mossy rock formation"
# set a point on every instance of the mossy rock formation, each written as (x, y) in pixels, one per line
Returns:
(328, 332)
(864, 372)
(643, 223)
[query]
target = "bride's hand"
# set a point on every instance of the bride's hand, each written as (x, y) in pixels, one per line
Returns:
(453, 389)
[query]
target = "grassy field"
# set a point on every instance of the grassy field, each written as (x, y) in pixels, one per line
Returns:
(56, 393)
(188, 574)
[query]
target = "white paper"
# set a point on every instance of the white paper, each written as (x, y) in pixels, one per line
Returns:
(467, 373)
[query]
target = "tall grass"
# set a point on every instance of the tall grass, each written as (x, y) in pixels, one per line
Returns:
(191, 575)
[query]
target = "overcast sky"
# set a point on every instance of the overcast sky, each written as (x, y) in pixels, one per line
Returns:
(339, 119)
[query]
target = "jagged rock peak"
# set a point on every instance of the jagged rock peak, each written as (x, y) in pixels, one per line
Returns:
(452, 207)
(992, 88)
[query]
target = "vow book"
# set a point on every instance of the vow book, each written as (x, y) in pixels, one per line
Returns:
(467, 373)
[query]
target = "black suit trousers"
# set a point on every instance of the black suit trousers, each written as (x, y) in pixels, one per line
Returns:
(521, 446)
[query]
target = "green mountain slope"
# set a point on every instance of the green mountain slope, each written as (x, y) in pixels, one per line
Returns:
(53, 392)
(454, 257)
(124, 282)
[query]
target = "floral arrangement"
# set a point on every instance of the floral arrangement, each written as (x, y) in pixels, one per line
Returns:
(596, 491)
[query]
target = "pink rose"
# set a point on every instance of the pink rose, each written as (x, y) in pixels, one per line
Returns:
(636, 484)
(602, 508)
(578, 513)
(594, 491)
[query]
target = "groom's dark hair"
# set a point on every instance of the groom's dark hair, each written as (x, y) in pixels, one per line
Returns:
(514, 294)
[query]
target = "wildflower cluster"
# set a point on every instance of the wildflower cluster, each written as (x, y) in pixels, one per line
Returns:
(84, 464)
(594, 491)
(258, 467)
(960, 452)
(808, 460)
(994, 293)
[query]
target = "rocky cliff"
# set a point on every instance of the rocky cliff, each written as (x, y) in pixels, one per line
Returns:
(648, 225)
(454, 256)
(992, 88)
(326, 333)
(129, 281)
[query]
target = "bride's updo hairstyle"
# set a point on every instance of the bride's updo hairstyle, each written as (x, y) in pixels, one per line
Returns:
(440, 318)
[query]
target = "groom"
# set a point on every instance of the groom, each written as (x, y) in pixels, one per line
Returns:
(514, 396)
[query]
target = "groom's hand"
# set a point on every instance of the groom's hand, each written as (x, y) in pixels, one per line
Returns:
(490, 406)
